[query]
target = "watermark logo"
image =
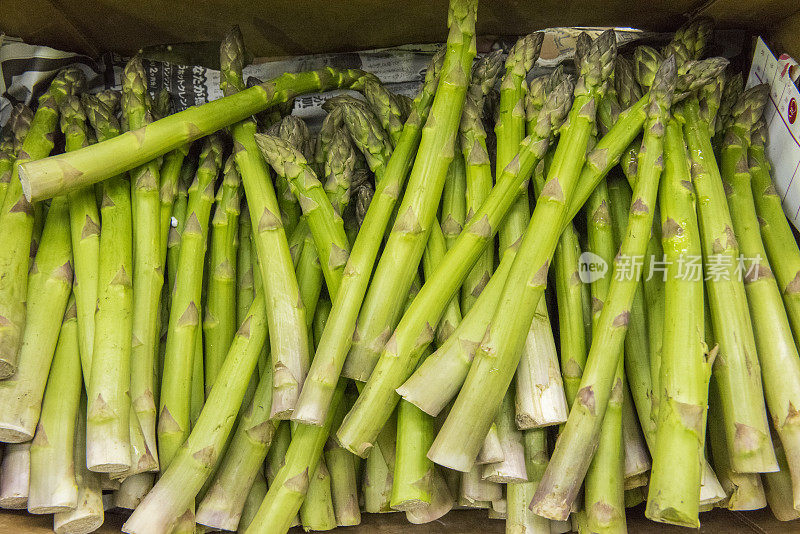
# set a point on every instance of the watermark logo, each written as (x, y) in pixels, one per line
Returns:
(591, 267)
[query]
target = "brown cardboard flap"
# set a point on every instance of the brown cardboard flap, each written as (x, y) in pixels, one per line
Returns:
(291, 27)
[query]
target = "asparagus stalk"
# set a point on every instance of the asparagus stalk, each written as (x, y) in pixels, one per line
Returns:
(15, 476)
(776, 233)
(511, 470)
(53, 487)
(112, 337)
(257, 492)
(540, 395)
(605, 478)
(16, 219)
(56, 175)
(569, 298)
(454, 193)
(413, 472)
(737, 368)
(412, 487)
(539, 352)
(308, 270)
(777, 352)
(174, 410)
(108, 447)
(276, 455)
(244, 267)
(403, 251)
(435, 250)
(88, 515)
(175, 231)
(510, 127)
(441, 502)
(520, 518)
(148, 275)
(637, 362)
(316, 512)
(778, 488)
(101, 117)
(49, 287)
(378, 481)
(335, 342)
(476, 490)
(133, 490)
(560, 485)
(653, 302)
(85, 233)
(745, 491)
(411, 337)
(342, 465)
(285, 314)
(219, 323)
(457, 444)
(174, 171)
(478, 166)
(674, 493)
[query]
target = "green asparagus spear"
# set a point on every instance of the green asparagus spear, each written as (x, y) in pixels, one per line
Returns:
(148, 272)
(510, 127)
(58, 175)
(777, 352)
(219, 322)
(674, 493)
(184, 318)
(285, 314)
(604, 486)
(776, 232)
(49, 287)
(53, 487)
(88, 515)
(478, 166)
(16, 218)
(737, 368)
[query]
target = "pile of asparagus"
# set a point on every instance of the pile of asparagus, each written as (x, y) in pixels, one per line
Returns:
(220, 321)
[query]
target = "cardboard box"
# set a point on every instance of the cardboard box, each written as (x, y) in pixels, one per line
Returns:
(280, 28)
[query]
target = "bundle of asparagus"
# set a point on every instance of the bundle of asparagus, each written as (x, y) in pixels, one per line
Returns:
(225, 322)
